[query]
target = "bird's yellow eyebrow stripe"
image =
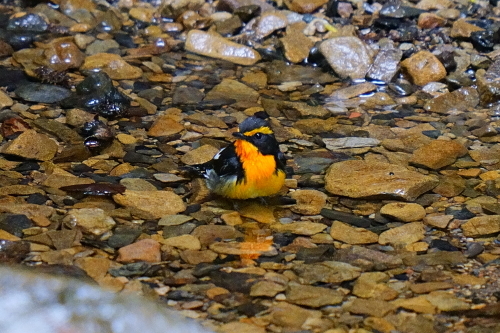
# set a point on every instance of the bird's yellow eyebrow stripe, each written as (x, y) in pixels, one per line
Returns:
(263, 130)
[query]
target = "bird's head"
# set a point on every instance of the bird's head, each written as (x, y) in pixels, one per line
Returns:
(258, 132)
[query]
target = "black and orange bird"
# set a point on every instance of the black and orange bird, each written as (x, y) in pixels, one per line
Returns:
(250, 167)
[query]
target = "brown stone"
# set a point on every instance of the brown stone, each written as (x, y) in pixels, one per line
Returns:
(31, 145)
(351, 235)
(144, 250)
(424, 67)
(151, 204)
(438, 154)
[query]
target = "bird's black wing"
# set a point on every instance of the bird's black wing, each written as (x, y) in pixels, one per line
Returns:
(226, 162)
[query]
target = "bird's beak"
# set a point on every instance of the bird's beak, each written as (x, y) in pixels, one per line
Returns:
(239, 135)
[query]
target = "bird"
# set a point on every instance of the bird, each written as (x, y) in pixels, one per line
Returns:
(250, 167)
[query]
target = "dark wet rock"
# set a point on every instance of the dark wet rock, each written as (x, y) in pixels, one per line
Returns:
(436, 258)
(55, 128)
(97, 134)
(442, 245)
(132, 269)
(484, 41)
(13, 252)
(15, 223)
(346, 217)
(474, 249)
(487, 86)
(187, 96)
(98, 95)
(460, 213)
(42, 93)
(327, 272)
(385, 65)
(37, 199)
(28, 22)
(402, 87)
(235, 282)
(248, 12)
(95, 189)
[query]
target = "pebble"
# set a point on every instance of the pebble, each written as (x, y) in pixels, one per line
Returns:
(463, 29)
(42, 93)
(371, 307)
(183, 242)
(385, 65)
(90, 220)
(350, 235)
(233, 89)
(349, 57)
(150, 204)
(296, 45)
(309, 202)
(31, 145)
(445, 301)
(208, 234)
(300, 228)
(241, 327)
(215, 46)
(405, 234)
(292, 317)
(5, 100)
(269, 22)
(311, 296)
(438, 221)
(350, 142)
(194, 257)
(147, 250)
(461, 99)
(404, 212)
(481, 225)
(266, 288)
(424, 67)
(438, 154)
(113, 65)
(165, 126)
(199, 155)
(326, 272)
(360, 179)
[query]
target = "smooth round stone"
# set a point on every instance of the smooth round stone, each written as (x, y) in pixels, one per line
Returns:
(42, 93)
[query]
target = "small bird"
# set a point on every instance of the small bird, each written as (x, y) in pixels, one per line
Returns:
(250, 167)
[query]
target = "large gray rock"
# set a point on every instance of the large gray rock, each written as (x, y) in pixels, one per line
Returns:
(55, 304)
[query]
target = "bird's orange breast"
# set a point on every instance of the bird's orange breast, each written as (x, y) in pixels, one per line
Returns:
(261, 178)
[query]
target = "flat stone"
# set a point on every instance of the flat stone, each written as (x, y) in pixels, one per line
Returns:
(424, 67)
(370, 307)
(481, 225)
(326, 272)
(463, 29)
(361, 179)
(445, 301)
(194, 257)
(305, 6)
(309, 202)
(31, 145)
(113, 65)
(269, 22)
(215, 46)
(460, 100)
(30, 210)
(258, 212)
(438, 154)
(208, 234)
(232, 89)
(418, 304)
(350, 142)
(199, 155)
(311, 296)
(245, 249)
(42, 93)
(266, 288)
(372, 285)
(306, 228)
(183, 242)
(427, 287)
(405, 234)
(240, 327)
(296, 45)
(165, 126)
(404, 212)
(144, 250)
(90, 220)
(436, 258)
(438, 221)
(5, 100)
(292, 317)
(151, 204)
(351, 235)
(385, 65)
(450, 186)
(177, 219)
(348, 56)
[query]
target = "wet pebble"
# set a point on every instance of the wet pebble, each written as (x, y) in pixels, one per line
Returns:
(42, 93)
(405, 212)
(147, 250)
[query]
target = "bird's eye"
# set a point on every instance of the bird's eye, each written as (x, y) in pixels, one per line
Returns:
(258, 135)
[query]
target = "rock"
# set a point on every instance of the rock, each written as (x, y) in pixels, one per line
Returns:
(370, 307)
(206, 120)
(61, 131)
(144, 250)
(445, 301)
(361, 179)
(292, 317)
(436, 258)
(379, 260)
(326, 272)
(215, 46)
(279, 72)
(430, 21)
(194, 257)
(450, 186)
(300, 228)
(113, 65)
(349, 142)
(259, 213)
(199, 155)
(5, 100)
(438, 154)
(31, 145)
(481, 225)
(296, 45)
(269, 22)
(42, 93)
(101, 46)
(184, 242)
(385, 65)
(427, 287)
(350, 235)
(351, 219)
(241, 327)
(266, 288)
(348, 56)
(309, 202)
(311, 296)
(424, 67)
(90, 220)
(62, 54)
(233, 89)
(30, 210)
(15, 223)
(438, 221)
(151, 204)
(405, 234)
(418, 304)
(165, 126)
(208, 234)
(487, 87)
(463, 29)
(404, 212)
(461, 99)
(372, 285)
(304, 6)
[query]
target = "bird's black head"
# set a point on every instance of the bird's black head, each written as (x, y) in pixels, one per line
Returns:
(258, 132)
